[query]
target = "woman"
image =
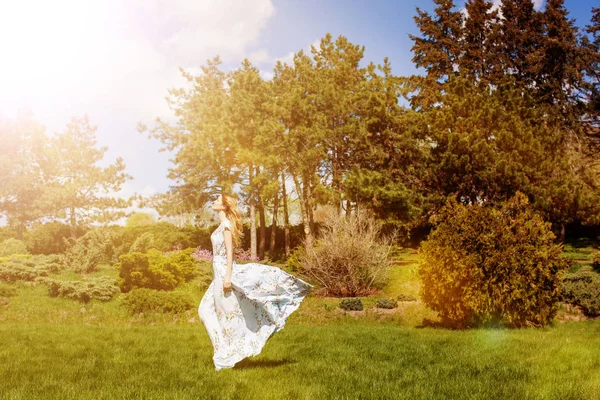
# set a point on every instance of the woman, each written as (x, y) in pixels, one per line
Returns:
(245, 303)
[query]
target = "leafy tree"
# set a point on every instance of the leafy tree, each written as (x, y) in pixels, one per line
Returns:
(204, 145)
(140, 219)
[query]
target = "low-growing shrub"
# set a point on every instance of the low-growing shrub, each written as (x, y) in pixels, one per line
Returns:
(12, 246)
(101, 288)
(142, 300)
(154, 270)
(353, 304)
(485, 265)
(22, 269)
(350, 257)
(7, 291)
(406, 297)
(582, 288)
(85, 254)
(596, 261)
(386, 303)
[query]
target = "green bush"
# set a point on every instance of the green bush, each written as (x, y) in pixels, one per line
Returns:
(154, 270)
(582, 288)
(386, 303)
(353, 304)
(7, 291)
(148, 300)
(49, 238)
(596, 261)
(143, 243)
(101, 288)
(485, 265)
(12, 246)
(16, 269)
(85, 254)
(167, 237)
(406, 297)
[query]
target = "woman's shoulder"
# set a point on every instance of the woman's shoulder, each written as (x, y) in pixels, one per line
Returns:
(227, 224)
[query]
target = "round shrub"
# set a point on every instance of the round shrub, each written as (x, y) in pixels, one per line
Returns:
(49, 238)
(149, 300)
(485, 265)
(386, 303)
(12, 246)
(143, 243)
(406, 297)
(353, 304)
(155, 270)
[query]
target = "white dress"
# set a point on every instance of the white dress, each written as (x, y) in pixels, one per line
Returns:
(241, 320)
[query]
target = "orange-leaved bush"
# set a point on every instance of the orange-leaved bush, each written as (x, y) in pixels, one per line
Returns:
(487, 265)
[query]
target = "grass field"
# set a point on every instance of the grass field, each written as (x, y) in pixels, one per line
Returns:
(60, 349)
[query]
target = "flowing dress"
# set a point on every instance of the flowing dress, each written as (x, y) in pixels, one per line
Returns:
(241, 320)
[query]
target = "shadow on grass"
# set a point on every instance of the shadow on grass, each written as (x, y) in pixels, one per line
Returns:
(491, 325)
(247, 363)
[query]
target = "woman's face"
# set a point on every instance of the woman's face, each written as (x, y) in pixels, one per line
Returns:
(217, 205)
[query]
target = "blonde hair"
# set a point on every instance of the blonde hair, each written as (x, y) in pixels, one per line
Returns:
(235, 216)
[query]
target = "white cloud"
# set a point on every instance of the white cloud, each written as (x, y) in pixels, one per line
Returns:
(537, 4)
(116, 60)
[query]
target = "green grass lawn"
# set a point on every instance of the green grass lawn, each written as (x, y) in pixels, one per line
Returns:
(352, 360)
(56, 348)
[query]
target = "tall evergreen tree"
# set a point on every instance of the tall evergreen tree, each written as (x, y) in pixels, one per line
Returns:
(24, 170)
(480, 41)
(81, 189)
(560, 67)
(438, 51)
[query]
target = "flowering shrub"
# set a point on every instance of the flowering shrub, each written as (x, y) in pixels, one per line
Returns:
(244, 255)
(202, 254)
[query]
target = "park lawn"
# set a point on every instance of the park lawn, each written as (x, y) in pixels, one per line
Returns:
(59, 348)
(352, 360)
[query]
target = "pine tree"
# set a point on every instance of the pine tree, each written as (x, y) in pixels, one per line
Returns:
(480, 40)
(24, 170)
(560, 68)
(521, 34)
(80, 188)
(438, 51)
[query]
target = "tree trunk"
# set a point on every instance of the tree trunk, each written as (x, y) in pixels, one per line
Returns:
(309, 207)
(286, 216)
(304, 210)
(263, 229)
(348, 208)
(73, 223)
(562, 232)
(252, 215)
(274, 225)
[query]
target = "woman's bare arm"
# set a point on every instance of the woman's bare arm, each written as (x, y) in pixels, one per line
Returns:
(229, 247)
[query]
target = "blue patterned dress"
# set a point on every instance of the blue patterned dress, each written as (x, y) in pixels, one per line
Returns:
(241, 320)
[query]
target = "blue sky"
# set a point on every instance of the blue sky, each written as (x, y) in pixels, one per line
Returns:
(115, 60)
